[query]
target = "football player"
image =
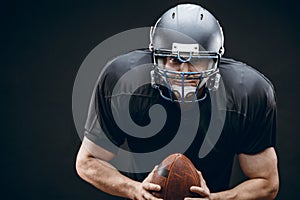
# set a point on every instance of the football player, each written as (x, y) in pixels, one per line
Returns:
(186, 50)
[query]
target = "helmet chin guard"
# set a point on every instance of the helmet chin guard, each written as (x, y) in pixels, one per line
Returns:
(187, 43)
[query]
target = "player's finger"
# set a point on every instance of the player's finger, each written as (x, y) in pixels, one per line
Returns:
(203, 182)
(149, 177)
(199, 190)
(151, 186)
(200, 174)
(148, 196)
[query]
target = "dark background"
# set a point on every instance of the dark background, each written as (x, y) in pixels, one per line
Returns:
(43, 44)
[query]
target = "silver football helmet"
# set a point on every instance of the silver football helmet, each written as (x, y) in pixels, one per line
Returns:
(187, 43)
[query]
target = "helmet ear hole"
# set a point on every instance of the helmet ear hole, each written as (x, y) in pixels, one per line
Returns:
(173, 15)
(221, 51)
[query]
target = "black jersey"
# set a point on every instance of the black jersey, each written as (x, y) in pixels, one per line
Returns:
(249, 126)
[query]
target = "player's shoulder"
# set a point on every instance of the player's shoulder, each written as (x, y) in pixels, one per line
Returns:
(130, 60)
(121, 64)
(239, 74)
(243, 82)
(126, 71)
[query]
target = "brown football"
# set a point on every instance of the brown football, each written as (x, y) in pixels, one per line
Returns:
(175, 174)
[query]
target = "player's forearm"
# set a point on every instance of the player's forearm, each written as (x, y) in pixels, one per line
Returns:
(251, 189)
(106, 178)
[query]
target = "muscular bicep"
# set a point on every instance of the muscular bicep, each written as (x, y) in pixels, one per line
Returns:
(90, 149)
(261, 165)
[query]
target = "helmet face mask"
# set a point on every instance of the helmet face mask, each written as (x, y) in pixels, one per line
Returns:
(184, 72)
(184, 59)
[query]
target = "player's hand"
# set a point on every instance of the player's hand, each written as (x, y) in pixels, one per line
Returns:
(203, 190)
(145, 188)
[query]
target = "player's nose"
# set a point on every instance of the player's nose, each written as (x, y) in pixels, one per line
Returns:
(184, 67)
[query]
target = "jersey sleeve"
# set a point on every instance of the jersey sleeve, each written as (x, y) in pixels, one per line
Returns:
(100, 126)
(259, 130)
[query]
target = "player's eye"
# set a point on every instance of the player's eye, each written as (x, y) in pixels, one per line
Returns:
(174, 60)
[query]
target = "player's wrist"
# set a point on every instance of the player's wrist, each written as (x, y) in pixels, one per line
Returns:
(215, 196)
(132, 188)
(225, 195)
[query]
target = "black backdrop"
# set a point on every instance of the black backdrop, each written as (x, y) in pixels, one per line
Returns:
(43, 44)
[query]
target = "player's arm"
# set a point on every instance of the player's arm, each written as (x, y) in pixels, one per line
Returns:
(263, 182)
(92, 166)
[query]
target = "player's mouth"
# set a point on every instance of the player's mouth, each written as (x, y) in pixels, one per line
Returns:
(178, 82)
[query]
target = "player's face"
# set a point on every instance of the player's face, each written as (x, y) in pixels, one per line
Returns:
(193, 65)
